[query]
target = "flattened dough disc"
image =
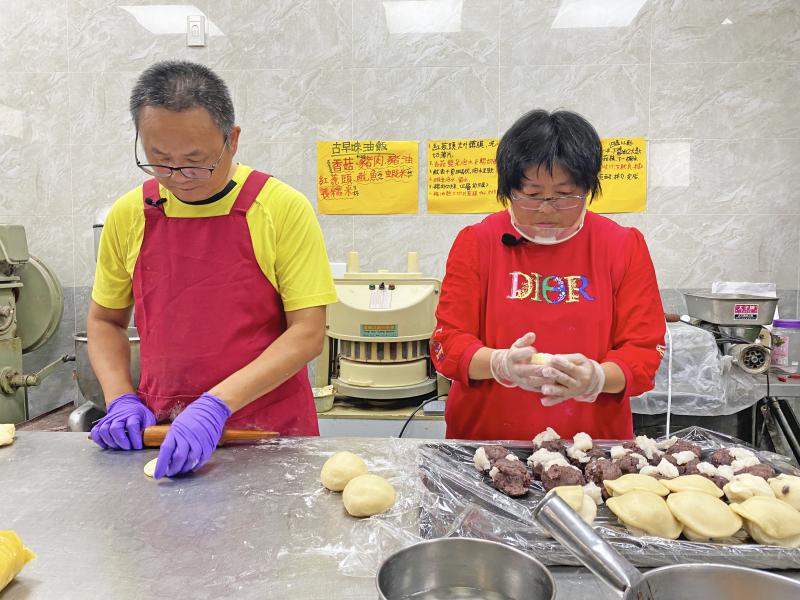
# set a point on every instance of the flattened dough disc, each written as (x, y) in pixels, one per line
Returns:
(150, 468)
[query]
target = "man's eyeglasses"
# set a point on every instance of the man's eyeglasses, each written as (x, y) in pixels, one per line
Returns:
(526, 202)
(188, 172)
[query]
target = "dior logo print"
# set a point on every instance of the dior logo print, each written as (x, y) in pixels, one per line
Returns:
(552, 289)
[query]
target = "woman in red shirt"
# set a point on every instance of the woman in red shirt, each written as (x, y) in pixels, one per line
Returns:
(547, 276)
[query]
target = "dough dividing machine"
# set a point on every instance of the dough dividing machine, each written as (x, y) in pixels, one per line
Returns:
(378, 334)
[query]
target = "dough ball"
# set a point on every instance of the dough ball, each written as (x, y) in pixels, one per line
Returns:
(368, 495)
(340, 468)
(540, 358)
(150, 468)
(7, 431)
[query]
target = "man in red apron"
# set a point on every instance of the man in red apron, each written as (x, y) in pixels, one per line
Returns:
(226, 270)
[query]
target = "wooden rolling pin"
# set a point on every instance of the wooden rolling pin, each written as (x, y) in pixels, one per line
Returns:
(153, 436)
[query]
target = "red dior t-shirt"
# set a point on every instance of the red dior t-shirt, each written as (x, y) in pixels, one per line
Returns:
(595, 294)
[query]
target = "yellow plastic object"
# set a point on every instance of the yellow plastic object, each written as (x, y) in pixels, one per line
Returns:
(13, 556)
(7, 432)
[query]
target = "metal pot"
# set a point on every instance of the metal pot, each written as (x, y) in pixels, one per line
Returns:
(463, 568)
(84, 375)
(675, 582)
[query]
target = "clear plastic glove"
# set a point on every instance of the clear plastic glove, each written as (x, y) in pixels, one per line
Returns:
(512, 367)
(192, 437)
(121, 428)
(572, 376)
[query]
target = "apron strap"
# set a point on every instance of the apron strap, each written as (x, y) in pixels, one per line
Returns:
(151, 195)
(249, 192)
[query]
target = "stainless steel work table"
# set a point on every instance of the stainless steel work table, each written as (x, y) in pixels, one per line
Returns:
(253, 523)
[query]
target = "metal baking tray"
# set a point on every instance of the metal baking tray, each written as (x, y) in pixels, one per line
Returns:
(731, 309)
(468, 505)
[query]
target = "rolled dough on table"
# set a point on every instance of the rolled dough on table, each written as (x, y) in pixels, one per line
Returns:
(150, 468)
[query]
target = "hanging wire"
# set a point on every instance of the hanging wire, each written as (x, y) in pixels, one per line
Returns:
(416, 410)
(669, 378)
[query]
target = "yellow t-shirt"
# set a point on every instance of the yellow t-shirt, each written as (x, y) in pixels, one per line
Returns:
(287, 241)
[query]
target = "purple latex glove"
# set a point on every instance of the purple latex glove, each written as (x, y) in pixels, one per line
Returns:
(121, 428)
(192, 437)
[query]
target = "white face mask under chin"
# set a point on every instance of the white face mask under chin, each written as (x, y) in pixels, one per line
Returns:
(548, 236)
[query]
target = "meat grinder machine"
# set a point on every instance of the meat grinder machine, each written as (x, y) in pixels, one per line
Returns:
(31, 307)
(737, 322)
(378, 334)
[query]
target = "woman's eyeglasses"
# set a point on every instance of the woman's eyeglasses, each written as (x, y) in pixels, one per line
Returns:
(526, 202)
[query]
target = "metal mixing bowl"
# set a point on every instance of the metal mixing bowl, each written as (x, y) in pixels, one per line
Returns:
(449, 568)
(84, 375)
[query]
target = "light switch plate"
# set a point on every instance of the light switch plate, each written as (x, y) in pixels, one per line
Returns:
(195, 30)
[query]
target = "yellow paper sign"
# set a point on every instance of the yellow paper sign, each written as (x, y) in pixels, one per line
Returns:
(622, 176)
(462, 177)
(367, 177)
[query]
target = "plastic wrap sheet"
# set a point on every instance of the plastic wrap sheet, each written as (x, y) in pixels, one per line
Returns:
(319, 528)
(704, 382)
(467, 505)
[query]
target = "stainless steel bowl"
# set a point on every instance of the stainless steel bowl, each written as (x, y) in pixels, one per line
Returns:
(84, 375)
(448, 568)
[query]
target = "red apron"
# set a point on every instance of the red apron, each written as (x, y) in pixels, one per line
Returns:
(204, 309)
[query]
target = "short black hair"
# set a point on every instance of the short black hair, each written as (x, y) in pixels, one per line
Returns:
(542, 138)
(179, 85)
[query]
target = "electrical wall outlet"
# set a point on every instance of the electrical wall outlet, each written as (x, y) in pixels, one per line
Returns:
(196, 30)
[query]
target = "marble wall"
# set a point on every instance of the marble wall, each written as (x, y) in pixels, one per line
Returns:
(711, 83)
